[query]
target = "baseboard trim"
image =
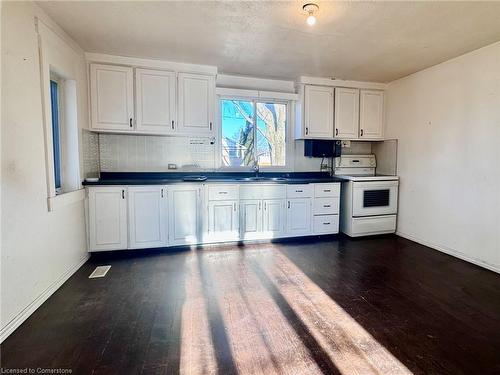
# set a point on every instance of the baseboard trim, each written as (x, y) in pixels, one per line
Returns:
(31, 308)
(449, 251)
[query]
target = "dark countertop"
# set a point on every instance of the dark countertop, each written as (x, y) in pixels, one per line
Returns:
(168, 178)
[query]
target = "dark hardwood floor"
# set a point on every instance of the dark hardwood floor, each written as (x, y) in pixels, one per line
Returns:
(334, 305)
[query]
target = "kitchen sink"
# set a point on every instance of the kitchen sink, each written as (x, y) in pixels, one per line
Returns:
(261, 179)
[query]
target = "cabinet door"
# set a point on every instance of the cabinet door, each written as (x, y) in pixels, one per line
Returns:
(346, 113)
(147, 210)
(251, 219)
(196, 103)
(318, 112)
(371, 122)
(184, 215)
(273, 221)
(111, 95)
(298, 216)
(155, 101)
(108, 218)
(223, 220)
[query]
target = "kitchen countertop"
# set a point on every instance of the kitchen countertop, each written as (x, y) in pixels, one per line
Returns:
(168, 178)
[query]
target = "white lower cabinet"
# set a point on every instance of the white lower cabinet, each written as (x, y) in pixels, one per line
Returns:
(107, 208)
(250, 219)
(180, 215)
(184, 214)
(326, 224)
(326, 208)
(223, 220)
(298, 216)
(147, 216)
(273, 221)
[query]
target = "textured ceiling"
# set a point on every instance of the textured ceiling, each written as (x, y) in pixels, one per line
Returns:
(372, 41)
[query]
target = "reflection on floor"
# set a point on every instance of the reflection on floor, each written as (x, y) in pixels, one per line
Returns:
(327, 306)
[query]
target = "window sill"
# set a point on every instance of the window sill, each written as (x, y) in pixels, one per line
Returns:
(65, 199)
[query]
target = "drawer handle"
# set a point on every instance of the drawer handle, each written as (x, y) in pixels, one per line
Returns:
(299, 191)
(326, 190)
(326, 205)
(326, 223)
(222, 192)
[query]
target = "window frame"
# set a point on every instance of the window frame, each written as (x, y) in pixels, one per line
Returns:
(288, 167)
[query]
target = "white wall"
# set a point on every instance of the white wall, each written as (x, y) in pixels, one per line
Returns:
(39, 249)
(447, 121)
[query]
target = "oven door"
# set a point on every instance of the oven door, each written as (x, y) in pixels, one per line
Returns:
(370, 198)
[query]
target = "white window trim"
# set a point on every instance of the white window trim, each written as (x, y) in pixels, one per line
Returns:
(288, 167)
(48, 40)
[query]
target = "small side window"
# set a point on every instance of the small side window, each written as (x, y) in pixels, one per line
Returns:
(56, 133)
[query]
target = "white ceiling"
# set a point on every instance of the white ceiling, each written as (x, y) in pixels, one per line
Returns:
(372, 41)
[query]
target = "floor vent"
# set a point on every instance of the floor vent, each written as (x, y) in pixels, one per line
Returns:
(100, 271)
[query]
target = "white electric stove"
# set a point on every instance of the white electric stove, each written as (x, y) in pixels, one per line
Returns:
(369, 202)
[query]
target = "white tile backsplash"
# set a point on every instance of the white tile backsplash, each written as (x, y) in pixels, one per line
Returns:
(141, 153)
(148, 153)
(358, 148)
(90, 152)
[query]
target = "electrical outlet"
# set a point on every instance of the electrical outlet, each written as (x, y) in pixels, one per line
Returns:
(172, 166)
(346, 144)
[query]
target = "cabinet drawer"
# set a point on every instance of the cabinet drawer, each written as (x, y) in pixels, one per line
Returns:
(258, 191)
(324, 224)
(222, 192)
(299, 191)
(326, 206)
(373, 225)
(327, 190)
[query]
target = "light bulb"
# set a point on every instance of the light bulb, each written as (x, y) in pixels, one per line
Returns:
(311, 20)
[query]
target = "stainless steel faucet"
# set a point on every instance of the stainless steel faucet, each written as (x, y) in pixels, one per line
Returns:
(256, 168)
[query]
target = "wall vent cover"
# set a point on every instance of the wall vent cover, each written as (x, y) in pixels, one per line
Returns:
(99, 271)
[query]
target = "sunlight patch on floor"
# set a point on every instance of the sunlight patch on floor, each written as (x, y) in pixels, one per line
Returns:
(275, 321)
(197, 351)
(350, 346)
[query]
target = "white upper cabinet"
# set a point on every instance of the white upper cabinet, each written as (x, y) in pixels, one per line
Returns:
(371, 121)
(155, 101)
(346, 113)
(318, 112)
(111, 95)
(147, 210)
(196, 103)
(108, 218)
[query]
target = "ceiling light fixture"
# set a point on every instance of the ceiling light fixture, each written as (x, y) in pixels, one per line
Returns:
(310, 8)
